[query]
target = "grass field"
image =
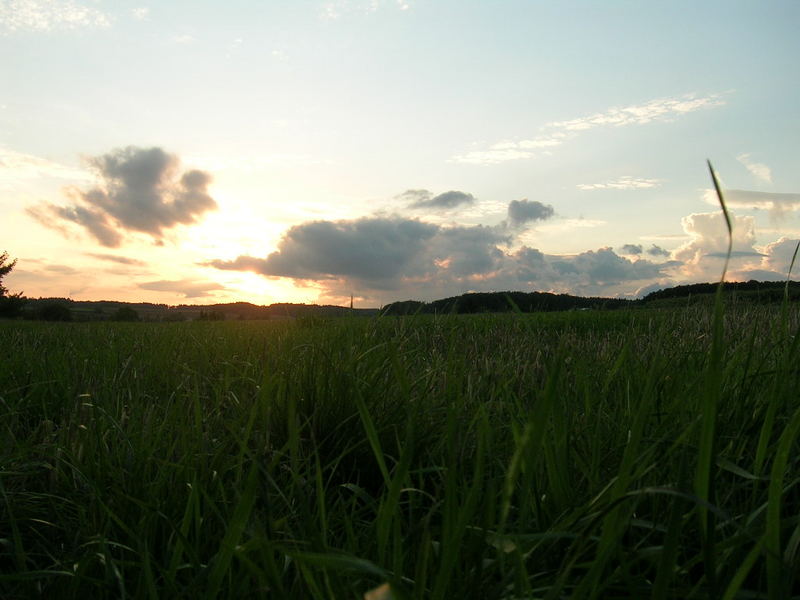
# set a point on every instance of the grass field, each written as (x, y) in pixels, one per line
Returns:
(629, 454)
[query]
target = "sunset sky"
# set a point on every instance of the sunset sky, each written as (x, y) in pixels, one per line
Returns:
(303, 151)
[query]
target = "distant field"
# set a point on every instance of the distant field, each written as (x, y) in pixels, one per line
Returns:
(625, 454)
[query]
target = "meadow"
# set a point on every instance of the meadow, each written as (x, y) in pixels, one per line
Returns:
(626, 454)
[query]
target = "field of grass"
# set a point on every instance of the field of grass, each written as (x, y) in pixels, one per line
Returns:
(630, 454)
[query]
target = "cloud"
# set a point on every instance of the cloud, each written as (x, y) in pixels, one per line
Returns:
(776, 203)
(777, 256)
(622, 183)
(445, 201)
(367, 249)
(761, 171)
(49, 15)
(702, 256)
(188, 288)
(142, 190)
(336, 9)
(18, 166)
(407, 257)
(563, 226)
(123, 260)
(709, 235)
(183, 38)
(632, 249)
(140, 13)
(509, 150)
(657, 251)
(556, 133)
(660, 109)
(525, 211)
(94, 221)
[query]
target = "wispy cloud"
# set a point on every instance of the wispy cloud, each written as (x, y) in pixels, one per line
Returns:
(122, 260)
(445, 201)
(565, 225)
(188, 288)
(16, 166)
(761, 171)
(661, 109)
(622, 183)
(556, 133)
(749, 199)
(49, 15)
(183, 38)
(140, 13)
(336, 9)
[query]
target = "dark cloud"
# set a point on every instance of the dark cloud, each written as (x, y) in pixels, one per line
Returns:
(466, 251)
(446, 200)
(142, 190)
(123, 260)
(367, 249)
(415, 196)
(187, 288)
(524, 211)
(632, 249)
(604, 267)
(416, 259)
(735, 254)
(657, 251)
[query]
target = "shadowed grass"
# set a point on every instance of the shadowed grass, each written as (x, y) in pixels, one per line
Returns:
(501, 456)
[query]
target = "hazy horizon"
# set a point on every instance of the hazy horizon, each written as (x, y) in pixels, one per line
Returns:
(190, 153)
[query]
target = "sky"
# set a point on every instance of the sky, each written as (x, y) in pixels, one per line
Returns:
(308, 150)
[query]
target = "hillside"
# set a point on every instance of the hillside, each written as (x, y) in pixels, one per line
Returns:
(750, 292)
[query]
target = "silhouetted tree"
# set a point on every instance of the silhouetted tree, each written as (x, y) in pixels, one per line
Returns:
(10, 304)
(55, 311)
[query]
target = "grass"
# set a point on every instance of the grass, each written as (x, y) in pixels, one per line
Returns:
(508, 456)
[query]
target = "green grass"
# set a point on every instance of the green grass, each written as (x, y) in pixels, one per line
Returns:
(589, 455)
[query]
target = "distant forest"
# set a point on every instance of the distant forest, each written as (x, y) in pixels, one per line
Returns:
(766, 292)
(65, 309)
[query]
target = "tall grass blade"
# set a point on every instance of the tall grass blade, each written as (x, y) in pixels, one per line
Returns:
(777, 571)
(704, 477)
(235, 530)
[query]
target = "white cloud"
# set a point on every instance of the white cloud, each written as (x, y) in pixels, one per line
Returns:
(556, 133)
(660, 109)
(776, 203)
(339, 8)
(140, 13)
(761, 171)
(17, 166)
(622, 183)
(183, 38)
(491, 157)
(564, 225)
(778, 256)
(49, 15)
(702, 255)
